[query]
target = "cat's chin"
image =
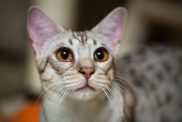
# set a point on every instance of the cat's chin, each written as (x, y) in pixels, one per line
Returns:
(84, 94)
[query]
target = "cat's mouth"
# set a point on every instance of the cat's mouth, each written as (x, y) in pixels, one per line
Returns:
(86, 88)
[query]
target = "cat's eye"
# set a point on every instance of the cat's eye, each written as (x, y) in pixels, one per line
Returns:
(64, 55)
(101, 55)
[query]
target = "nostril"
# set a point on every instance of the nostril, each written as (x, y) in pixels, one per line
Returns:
(92, 72)
(82, 72)
(87, 72)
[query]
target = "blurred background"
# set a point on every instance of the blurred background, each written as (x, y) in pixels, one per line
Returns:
(149, 21)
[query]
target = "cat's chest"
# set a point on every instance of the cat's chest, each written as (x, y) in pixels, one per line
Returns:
(51, 112)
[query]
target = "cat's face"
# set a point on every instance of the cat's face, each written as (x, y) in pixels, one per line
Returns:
(77, 65)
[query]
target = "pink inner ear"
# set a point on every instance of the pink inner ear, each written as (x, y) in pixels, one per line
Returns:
(117, 35)
(40, 28)
(112, 26)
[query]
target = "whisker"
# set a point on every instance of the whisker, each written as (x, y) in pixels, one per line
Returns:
(110, 100)
(121, 82)
(119, 99)
(60, 95)
(65, 93)
(45, 90)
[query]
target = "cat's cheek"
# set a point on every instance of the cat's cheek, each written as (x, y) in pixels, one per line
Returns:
(66, 66)
(105, 66)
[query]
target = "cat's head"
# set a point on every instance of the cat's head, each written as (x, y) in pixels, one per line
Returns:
(78, 65)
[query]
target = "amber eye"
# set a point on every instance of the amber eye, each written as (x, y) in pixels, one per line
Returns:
(101, 55)
(64, 54)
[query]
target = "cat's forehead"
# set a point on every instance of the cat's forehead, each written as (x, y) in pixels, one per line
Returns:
(82, 39)
(79, 37)
(85, 38)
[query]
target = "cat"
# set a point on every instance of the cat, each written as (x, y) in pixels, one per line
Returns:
(154, 75)
(77, 69)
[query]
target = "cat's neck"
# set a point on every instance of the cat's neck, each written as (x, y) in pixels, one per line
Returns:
(79, 111)
(99, 109)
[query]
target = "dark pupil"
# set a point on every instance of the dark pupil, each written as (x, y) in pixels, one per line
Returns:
(64, 54)
(100, 55)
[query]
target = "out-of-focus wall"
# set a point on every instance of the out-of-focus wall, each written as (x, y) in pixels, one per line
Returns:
(12, 45)
(152, 22)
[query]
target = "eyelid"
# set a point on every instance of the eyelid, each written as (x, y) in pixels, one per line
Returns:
(105, 48)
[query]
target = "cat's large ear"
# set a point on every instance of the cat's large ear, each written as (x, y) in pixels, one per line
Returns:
(112, 26)
(40, 28)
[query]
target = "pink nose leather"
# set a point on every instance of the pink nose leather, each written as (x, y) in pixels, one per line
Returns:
(87, 72)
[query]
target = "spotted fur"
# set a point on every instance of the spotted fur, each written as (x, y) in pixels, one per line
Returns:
(154, 74)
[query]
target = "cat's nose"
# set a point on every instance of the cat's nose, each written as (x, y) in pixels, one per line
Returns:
(87, 72)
